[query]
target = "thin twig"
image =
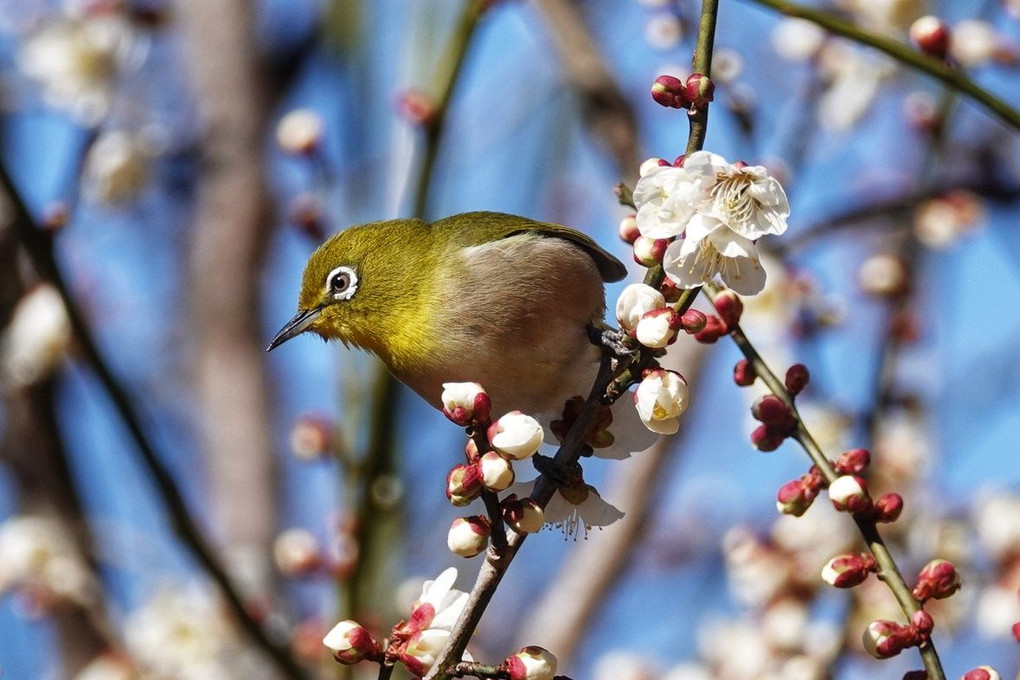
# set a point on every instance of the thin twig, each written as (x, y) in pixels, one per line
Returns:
(889, 571)
(39, 246)
(953, 78)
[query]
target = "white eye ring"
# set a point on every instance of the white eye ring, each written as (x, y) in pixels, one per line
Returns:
(342, 283)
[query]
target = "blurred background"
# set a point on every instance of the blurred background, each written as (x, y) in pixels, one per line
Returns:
(184, 159)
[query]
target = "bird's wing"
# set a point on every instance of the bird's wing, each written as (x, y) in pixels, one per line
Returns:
(492, 226)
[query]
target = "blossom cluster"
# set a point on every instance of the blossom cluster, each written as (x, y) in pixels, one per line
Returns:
(715, 210)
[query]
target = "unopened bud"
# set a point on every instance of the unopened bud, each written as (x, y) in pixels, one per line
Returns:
(937, 580)
(311, 438)
(849, 493)
(465, 403)
(657, 328)
(847, 571)
(852, 462)
(531, 663)
(299, 132)
(982, 673)
(464, 484)
(729, 306)
(497, 472)
(524, 516)
(350, 643)
(771, 410)
(744, 374)
(888, 508)
(884, 276)
(628, 229)
(885, 639)
(297, 552)
(648, 252)
(670, 92)
(795, 497)
(516, 435)
(693, 321)
(417, 107)
(797, 378)
(931, 35)
(765, 440)
(922, 622)
(634, 302)
(469, 536)
(714, 329)
(700, 90)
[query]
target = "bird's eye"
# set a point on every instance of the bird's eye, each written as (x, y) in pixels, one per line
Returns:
(342, 283)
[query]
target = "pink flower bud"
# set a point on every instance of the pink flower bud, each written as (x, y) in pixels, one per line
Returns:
(931, 35)
(468, 536)
(744, 374)
(524, 516)
(797, 377)
(852, 462)
(628, 229)
(982, 673)
(464, 484)
(847, 571)
(849, 493)
(648, 252)
(765, 440)
(729, 306)
(922, 622)
(714, 329)
(311, 438)
(516, 435)
(670, 291)
(297, 552)
(888, 507)
(497, 472)
(885, 639)
(465, 403)
(634, 302)
(350, 643)
(938, 579)
(657, 328)
(700, 90)
(670, 92)
(795, 497)
(693, 321)
(771, 410)
(915, 675)
(417, 107)
(531, 663)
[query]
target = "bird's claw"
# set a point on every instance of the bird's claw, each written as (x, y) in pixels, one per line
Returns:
(614, 341)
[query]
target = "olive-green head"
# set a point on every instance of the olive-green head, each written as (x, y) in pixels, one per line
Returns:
(357, 282)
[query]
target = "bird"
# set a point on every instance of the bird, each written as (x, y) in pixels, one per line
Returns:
(501, 300)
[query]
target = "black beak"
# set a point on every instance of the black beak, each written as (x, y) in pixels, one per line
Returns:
(295, 327)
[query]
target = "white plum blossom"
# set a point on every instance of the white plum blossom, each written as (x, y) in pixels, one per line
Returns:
(580, 506)
(717, 209)
(433, 616)
(76, 60)
(37, 554)
(532, 663)
(516, 435)
(661, 398)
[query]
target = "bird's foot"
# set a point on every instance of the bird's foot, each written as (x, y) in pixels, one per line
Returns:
(616, 342)
(559, 474)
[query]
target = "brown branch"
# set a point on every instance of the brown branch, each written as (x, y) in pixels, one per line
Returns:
(232, 225)
(609, 114)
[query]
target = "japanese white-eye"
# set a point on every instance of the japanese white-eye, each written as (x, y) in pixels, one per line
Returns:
(482, 297)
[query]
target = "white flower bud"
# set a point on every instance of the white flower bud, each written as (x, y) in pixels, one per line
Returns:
(848, 493)
(350, 642)
(657, 328)
(299, 132)
(37, 338)
(635, 301)
(497, 472)
(468, 536)
(297, 552)
(465, 402)
(532, 663)
(661, 398)
(524, 516)
(516, 435)
(116, 167)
